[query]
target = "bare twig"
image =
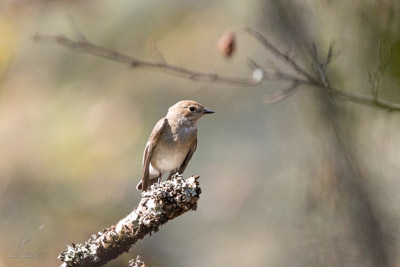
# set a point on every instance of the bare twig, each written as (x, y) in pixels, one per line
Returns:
(366, 99)
(282, 94)
(284, 57)
(375, 76)
(156, 52)
(372, 100)
(274, 74)
(163, 202)
(329, 57)
(75, 30)
(321, 67)
(84, 46)
(92, 49)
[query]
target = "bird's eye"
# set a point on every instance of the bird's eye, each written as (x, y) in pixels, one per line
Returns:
(192, 108)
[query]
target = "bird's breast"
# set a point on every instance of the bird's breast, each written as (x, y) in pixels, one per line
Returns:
(168, 158)
(172, 147)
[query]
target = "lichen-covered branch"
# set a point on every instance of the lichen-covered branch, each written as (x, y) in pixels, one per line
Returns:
(161, 203)
(137, 262)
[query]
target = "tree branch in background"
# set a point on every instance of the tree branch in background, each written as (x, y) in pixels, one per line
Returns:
(280, 55)
(319, 80)
(163, 202)
(84, 46)
(282, 94)
(322, 81)
(375, 76)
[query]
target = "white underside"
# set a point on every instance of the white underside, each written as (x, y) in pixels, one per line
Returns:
(166, 162)
(168, 158)
(153, 172)
(169, 161)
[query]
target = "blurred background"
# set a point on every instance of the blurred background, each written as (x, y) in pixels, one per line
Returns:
(309, 181)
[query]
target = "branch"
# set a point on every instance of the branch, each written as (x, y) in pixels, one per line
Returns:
(366, 99)
(375, 76)
(321, 67)
(163, 202)
(323, 83)
(282, 56)
(84, 46)
(282, 94)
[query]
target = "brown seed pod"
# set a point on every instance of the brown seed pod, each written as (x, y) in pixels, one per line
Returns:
(227, 44)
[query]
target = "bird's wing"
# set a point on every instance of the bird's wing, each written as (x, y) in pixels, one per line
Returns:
(188, 156)
(148, 151)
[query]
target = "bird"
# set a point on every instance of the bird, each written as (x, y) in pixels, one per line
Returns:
(172, 142)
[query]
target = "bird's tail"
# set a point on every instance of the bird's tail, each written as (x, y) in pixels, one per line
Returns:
(139, 186)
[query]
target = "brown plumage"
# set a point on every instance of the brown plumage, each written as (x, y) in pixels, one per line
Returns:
(172, 142)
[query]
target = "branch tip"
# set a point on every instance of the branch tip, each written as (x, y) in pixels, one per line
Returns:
(161, 203)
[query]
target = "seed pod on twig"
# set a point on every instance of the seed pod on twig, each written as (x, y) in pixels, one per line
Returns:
(227, 44)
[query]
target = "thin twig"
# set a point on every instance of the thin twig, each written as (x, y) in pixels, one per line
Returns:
(372, 100)
(320, 67)
(284, 57)
(366, 99)
(375, 76)
(75, 30)
(275, 73)
(84, 46)
(329, 57)
(92, 49)
(156, 52)
(321, 70)
(282, 94)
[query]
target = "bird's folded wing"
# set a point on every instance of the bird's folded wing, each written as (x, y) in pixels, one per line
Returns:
(188, 156)
(148, 151)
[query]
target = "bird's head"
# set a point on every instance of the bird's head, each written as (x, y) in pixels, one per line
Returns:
(188, 109)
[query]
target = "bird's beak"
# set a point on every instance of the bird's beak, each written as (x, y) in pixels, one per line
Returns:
(207, 111)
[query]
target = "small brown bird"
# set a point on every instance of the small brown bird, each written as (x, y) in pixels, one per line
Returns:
(172, 142)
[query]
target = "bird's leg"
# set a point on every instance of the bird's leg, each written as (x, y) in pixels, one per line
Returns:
(159, 178)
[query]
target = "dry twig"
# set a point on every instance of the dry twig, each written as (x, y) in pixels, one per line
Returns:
(318, 79)
(375, 76)
(322, 81)
(84, 46)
